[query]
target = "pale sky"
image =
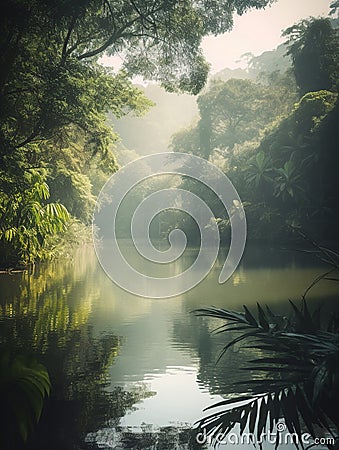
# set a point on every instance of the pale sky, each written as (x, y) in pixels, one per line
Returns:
(258, 31)
(255, 32)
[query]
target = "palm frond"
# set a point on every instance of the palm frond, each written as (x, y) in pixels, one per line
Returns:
(24, 383)
(294, 382)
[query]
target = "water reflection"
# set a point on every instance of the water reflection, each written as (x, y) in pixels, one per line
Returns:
(46, 314)
(111, 355)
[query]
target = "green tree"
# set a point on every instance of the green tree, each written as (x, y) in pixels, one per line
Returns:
(27, 220)
(271, 61)
(186, 140)
(234, 112)
(229, 114)
(54, 94)
(313, 46)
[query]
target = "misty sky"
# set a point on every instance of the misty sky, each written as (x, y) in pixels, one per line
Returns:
(255, 31)
(258, 31)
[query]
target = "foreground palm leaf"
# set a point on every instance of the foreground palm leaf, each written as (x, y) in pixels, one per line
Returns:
(298, 380)
(24, 384)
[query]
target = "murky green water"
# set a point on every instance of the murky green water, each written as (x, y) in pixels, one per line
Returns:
(128, 360)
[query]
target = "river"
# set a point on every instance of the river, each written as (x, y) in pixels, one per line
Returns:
(120, 360)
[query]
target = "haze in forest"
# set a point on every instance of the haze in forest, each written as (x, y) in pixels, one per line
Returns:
(254, 44)
(152, 133)
(265, 118)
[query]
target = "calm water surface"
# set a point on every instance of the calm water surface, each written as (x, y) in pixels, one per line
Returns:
(118, 359)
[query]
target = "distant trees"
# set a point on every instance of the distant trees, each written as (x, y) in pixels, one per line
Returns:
(54, 95)
(153, 131)
(233, 112)
(280, 154)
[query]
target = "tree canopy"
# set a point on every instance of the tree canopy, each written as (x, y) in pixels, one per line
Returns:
(313, 44)
(160, 39)
(233, 112)
(280, 154)
(55, 96)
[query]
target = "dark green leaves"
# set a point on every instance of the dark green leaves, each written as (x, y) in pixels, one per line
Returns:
(24, 384)
(296, 378)
(27, 220)
(313, 45)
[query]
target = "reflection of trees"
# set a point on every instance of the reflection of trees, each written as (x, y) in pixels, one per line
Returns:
(52, 300)
(46, 315)
(79, 401)
(219, 377)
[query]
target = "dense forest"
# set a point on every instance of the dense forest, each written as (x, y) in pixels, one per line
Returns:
(271, 128)
(276, 136)
(68, 122)
(56, 147)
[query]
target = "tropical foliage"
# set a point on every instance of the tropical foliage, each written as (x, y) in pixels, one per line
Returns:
(55, 95)
(312, 47)
(296, 377)
(24, 384)
(28, 220)
(297, 381)
(233, 112)
(279, 151)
